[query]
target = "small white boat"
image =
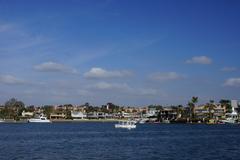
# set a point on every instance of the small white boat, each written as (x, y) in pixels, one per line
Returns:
(1, 121)
(231, 117)
(126, 124)
(41, 119)
(230, 121)
(143, 121)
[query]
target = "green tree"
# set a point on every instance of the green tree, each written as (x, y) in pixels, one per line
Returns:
(192, 105)
(14, 108)
(227, 104)
(3, 113)
(210, 107)
(30, 108)
(68, 111)
(47, 110)
(179, 110)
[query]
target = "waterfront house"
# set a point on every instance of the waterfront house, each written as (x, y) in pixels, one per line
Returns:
(92, 115)
(27, 114)
(57, 115)
(219, 112)
(203, 112)
(151, 112)
(78, 115)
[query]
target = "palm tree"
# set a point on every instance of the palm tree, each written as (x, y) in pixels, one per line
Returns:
(210, 106)
(192, 105)
(14, 108)
(179, 110)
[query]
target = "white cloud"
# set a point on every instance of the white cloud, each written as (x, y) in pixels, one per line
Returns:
(166, 76)
(123, 87)
(54, 67)
(101, 73)
(199, 60)
(228, 69)
(10, 80)
(111, 86)
(232, 82)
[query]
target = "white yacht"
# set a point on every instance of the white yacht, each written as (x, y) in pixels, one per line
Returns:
(126, 124)
(143, 121)
(231, 117)
(41, 119)
(1, 121)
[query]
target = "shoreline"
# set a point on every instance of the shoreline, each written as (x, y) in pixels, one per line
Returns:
(66, 121)
(84, 120)
(9, 121)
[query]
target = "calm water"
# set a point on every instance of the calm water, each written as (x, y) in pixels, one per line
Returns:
(102, 141)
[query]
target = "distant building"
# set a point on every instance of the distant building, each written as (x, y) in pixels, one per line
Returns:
(234, 104)
(202, 112)
(57, 115)
(167, 113)
(152, 111)
(78, 115)
(27, 114)
(92, 115)
(108, 106)
(219, 111)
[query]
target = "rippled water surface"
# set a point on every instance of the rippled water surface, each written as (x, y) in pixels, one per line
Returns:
(60, 141)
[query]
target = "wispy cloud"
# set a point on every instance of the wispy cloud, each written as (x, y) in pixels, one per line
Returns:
(11, 80)
(147, 92)
(102, 73)
(229, 69)
(15, 39)
(5, 27)
(54, 67)
(111, 86)
(168, 76)
(232, 82)
(200, 60)
(124, 88)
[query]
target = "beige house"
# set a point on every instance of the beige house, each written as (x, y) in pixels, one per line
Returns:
(57, 116)
(203, 112)
(27, 114)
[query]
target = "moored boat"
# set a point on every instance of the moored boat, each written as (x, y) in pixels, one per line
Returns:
(143, 121)
(41, 119)
(126, 124)
(231, 118)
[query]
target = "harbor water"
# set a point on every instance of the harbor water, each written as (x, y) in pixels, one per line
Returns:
(101, 141)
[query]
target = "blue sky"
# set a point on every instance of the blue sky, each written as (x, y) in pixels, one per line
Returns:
(135, 52)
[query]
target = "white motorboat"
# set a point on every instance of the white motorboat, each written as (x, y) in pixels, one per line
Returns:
(126, 124)
(1, 121)
(143, 121)
(41, 119)
(231, 118)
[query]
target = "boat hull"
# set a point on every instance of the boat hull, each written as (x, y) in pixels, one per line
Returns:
(125, 126)
(229, 121)
(38, 121)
